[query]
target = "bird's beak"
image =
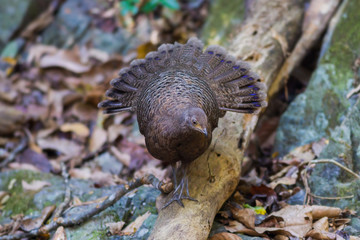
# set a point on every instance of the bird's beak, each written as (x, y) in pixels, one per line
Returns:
(205, 132)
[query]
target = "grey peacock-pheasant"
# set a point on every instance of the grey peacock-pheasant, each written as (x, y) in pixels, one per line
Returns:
(179, 93)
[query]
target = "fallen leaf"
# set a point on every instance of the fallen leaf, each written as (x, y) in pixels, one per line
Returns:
(59, 234)
(77, 202)
(98, 139)
(300, 154)
(322, 224)
(237, 227)
(99, 177)
(116, 130)
(4, 197)
(82, 173)
(283, 180)
(67, 59)
(38, 50)
(319, 234)
(139, 155)
(124, 158)
(115, 227)
(77, 128)
(135, 225)
(11, 119)
(324, 211)
(23, 166)
(39, 160)
(30, 224)
(318, 146)
(225, 236)
(35, 185)
(84, 111)
(295, 219)
(64, 146)
(246, 216)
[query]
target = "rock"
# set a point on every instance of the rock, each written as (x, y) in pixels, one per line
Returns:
(324, 106)
(127, 209)
(74, 24)
(324, 111)
(16, 14)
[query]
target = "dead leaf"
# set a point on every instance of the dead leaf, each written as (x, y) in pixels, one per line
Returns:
(82, 173)
(77, 128)
(64, 146)
(39, 160)
(115, 227)
(318, 146)
(116, 130)
(225, 236)
(67, 59)
(30, 224)
(283, 180)
(135, 225)
(11, 119)
(84, 111)
(124, 158)
(301, 154)
(325, 211)
(246, 216)
(139, 155)
(237, 227)
(98, 139)
(35, 185)
(59, 234)
(4, 197)
(322, 224)
(37, 51)
(295, 219)
(99, 177)
(77, 202)
(23, 166)
(319, 234)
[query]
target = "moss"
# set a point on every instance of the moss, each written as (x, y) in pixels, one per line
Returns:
(99, 235)
(19, 201)
(225, 16)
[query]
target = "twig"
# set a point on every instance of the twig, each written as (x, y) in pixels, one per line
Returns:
(67, 196)
(337, 164)
(88, 213)
(307, 188)
(331, 198)
(19, 148)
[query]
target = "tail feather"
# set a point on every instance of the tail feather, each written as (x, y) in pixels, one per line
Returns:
(236, 87)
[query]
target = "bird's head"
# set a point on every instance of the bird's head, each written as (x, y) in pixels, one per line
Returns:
(196, 119)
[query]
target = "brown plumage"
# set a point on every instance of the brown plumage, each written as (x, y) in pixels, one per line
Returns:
(179, 93)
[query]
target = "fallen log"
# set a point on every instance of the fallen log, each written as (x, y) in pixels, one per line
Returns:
(269, 31)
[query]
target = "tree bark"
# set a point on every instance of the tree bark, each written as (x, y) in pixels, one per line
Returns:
(271, 28)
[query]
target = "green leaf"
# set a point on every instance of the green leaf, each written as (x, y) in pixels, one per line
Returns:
(150, 6)
(128, 6)
(172, 4)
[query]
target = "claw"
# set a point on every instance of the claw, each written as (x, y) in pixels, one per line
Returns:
(179, 194)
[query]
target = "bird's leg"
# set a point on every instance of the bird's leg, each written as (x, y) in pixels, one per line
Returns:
(173, 167)
(179, 193)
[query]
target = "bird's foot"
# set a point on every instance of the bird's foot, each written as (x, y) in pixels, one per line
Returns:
(179, 194)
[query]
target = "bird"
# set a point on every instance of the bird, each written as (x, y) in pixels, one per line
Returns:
(179, 92)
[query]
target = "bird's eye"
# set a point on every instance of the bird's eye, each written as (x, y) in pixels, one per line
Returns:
(194, 122)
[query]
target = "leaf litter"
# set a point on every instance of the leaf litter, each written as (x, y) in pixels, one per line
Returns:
(53, 95)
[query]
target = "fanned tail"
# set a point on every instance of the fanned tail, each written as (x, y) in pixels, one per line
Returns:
(236, 87)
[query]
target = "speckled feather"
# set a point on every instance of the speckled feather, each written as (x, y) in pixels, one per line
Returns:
(178, 77)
